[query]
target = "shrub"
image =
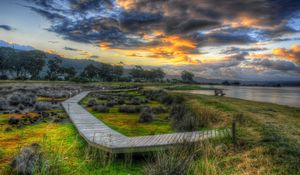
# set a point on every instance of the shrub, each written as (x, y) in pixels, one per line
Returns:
(3, 104)
(41, 107)
(111, 103)
(134, 101)
(120, 101)
(91, 103)
(101, 108)
(29, 100)
(26, 161)
(158, 110)
(177, 160)
(129, 109)
(13, 120)
(191, 116)
(146, 115)
(103, 97)
(163, 97)
(14, 99)
(182, 119)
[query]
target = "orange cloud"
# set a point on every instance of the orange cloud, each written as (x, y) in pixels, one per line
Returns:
(54, 52)
(104, 46)
(173, 48)
(126, 4)
(292, 54)
(245, 21)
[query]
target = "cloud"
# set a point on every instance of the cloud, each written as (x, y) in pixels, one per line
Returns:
(6, 27)
(281, 65)
(292, 54)
(94, 56)
(234, 50)
(71, 49)
(172, 30)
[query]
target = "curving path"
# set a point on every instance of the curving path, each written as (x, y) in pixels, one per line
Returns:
(97, 134)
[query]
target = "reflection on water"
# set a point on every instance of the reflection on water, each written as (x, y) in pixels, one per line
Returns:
(280, 95)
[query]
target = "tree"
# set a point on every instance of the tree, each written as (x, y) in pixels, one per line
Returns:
(90, 72)
(33, 63)
(54, 68)
(117, 72)
(187, 76)
(6, 54)
(158, 74)
(105, 72)
(137, 72)
(69, 72)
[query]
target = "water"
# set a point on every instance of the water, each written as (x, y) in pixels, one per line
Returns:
(289, 96)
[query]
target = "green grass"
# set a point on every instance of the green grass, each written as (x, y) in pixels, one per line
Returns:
(128, 124)
(269, 139)
(59, 141)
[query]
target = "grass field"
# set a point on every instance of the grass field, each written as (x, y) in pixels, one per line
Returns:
(62, 144)
(127, 123)
(268, 142)
(269, 136)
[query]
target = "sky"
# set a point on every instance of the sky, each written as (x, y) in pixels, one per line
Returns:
(255, 40)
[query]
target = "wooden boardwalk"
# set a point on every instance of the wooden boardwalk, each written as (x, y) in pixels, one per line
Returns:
(97, 134)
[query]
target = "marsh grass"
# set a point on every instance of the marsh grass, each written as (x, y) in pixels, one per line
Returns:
(200, 158)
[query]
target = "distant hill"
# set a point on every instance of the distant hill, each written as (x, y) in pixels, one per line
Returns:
(15, 46)
(78, 64)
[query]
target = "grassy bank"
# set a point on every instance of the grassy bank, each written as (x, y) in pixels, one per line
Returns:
(269, 136)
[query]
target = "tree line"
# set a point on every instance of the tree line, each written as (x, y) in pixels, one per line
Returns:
(30, 65)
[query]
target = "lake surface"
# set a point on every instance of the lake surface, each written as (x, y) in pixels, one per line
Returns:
(289, 96)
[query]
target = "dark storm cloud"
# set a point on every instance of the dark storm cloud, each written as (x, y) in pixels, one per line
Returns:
(94, 56)
(201, 21)
(87, 5)
(221, 38)
(281, 65)
(234, 50)
(71, 49)
(182, 26)
(6, 27)
(47, 14)
(285, 39)
(133, 21)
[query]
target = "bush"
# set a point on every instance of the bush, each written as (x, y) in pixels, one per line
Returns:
(42, 107)
(13, 120)
(120, 101)
(15, 99)
(29, 100)
(191, 116)
(3, 104)
(26, 161)
(177, 160)
(91, 103)
(134, 101)
(101, 108)
(158, 110)
(129, 109)
(146, 115)
(163, 97)
(111, 103)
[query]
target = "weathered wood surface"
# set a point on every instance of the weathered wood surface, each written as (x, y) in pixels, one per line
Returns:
(97, 134)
